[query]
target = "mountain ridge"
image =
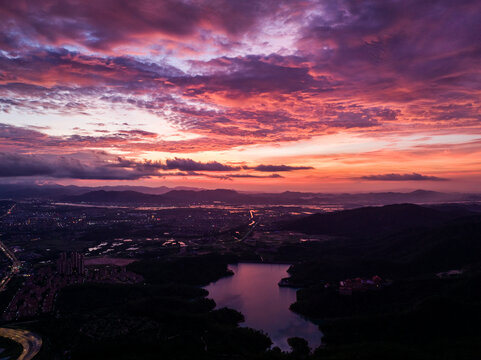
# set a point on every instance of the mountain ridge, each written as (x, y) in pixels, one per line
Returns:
(163, 194)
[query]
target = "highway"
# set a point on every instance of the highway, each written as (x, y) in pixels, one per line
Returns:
(9, 211)
(251, 226)
(30, 342)
(15, 268)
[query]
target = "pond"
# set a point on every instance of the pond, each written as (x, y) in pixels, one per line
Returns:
(253, 291)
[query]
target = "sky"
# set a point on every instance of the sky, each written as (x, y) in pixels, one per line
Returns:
(266, 95)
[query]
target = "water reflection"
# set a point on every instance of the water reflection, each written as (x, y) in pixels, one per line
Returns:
(254, 292)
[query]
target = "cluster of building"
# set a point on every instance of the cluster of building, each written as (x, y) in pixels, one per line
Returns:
(72, 263)
(39, 291)
(348, 286)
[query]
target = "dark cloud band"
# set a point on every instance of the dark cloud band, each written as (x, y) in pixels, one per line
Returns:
(403, 177)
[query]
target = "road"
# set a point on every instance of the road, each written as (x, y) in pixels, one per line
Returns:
(15, 268)
(251, 226)
(9, 211)
(30, 342)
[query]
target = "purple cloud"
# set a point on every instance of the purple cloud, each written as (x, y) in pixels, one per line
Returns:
(102, 166)
(191, 165)
(15, 165)
(96, 26)
(277, 168)
(402, 177)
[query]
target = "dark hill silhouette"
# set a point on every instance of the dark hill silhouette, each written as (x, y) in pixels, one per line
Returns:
(172, 197)
(451, 245)
(58, 192)
(204, 195)
(369, 221)
(102, 196)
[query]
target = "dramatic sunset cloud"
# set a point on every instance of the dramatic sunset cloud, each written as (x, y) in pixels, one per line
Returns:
(334, 95)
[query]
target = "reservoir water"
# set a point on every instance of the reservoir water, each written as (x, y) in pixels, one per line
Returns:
(253, 291)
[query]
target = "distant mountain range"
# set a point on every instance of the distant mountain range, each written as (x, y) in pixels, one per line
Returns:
(182, 196)
(56, 192)
(173, 197)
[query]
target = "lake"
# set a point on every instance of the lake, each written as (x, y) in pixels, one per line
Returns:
(253, 291)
